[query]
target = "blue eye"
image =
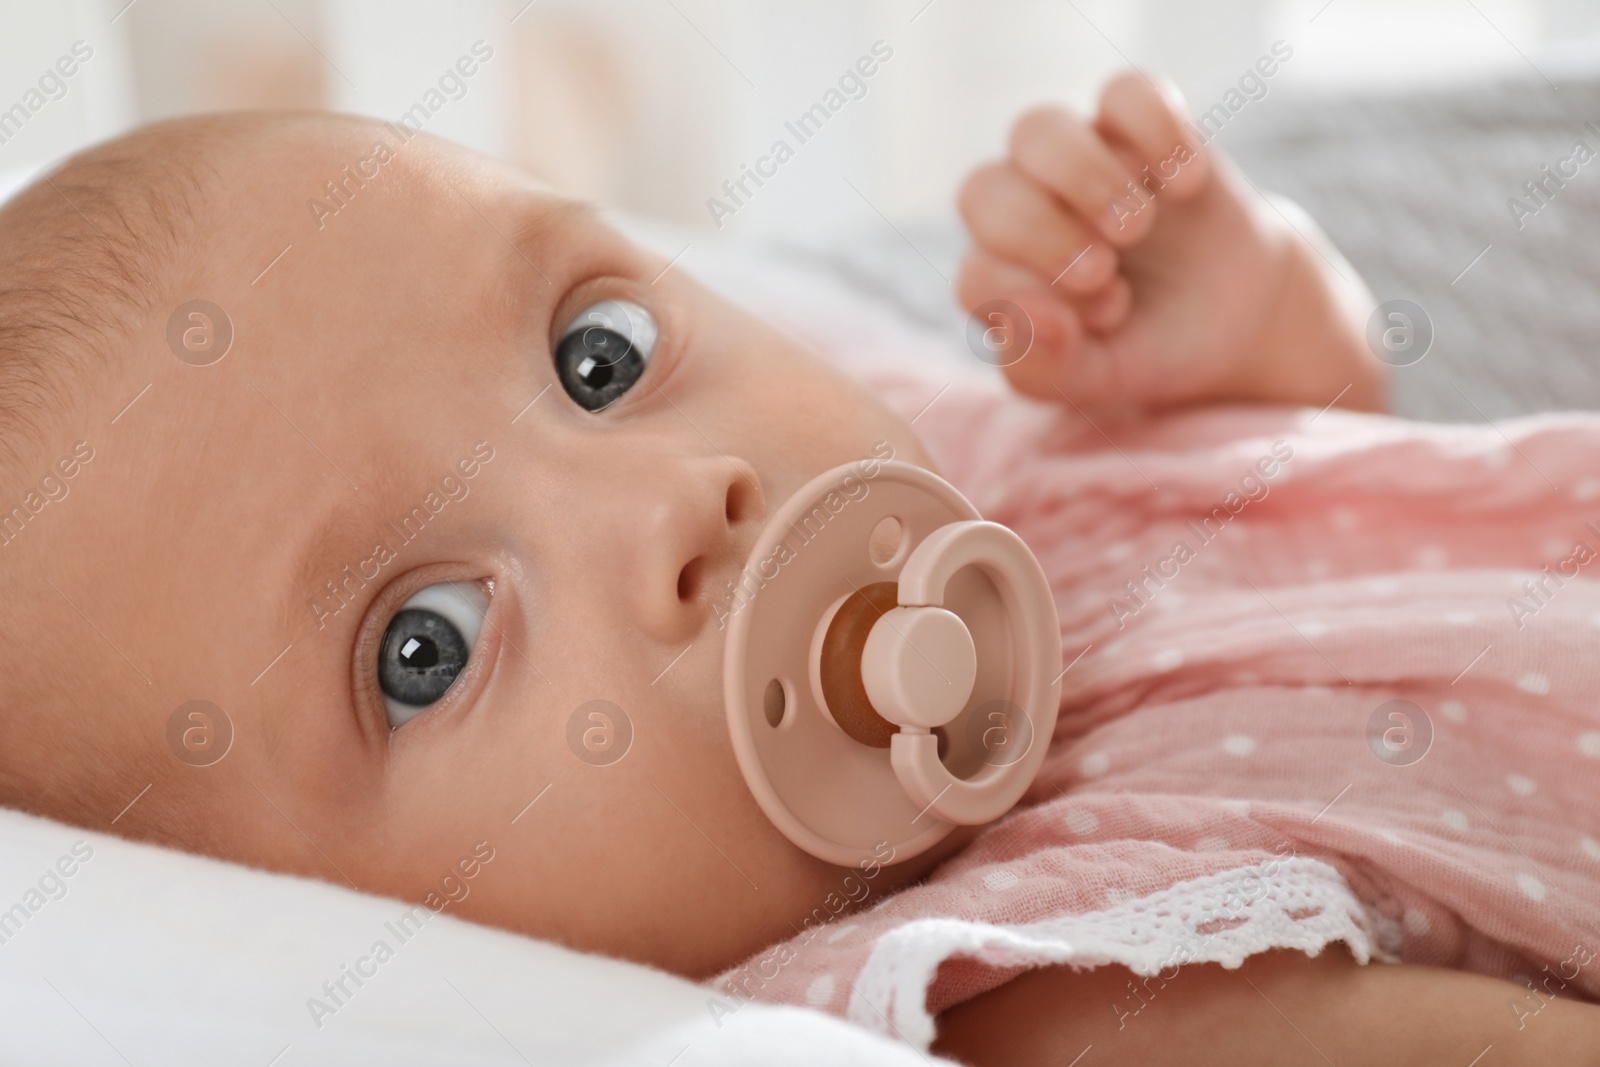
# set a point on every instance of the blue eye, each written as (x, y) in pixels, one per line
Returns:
(426, 645)
(604, 351)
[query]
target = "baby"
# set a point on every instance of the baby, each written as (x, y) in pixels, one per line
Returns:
(330, 529)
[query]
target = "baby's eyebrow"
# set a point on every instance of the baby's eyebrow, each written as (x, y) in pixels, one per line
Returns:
(328, 575)
(541, 226)
(537, 257)
(560, 240)
(546, 217)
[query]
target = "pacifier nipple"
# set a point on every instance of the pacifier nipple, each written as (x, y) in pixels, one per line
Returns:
(844, 689)
(883, 698)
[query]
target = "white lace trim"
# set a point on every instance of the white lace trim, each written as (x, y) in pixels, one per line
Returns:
(1222, 918)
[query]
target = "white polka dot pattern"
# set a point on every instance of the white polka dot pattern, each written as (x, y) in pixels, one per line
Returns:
(820, 992)
(999, 881)
(1094, 764)
(1239, 745)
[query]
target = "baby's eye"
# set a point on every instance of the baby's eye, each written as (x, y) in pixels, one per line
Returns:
(603, 351)
(426, 645)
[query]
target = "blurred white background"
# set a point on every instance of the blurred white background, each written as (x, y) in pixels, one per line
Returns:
(649, 105)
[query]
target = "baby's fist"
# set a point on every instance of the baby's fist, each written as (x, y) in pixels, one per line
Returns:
(1058, 227)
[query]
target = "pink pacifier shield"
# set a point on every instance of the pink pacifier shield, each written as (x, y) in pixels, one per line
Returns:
(962, 675)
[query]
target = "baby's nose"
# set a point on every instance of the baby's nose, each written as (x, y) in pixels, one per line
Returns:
(705, 513)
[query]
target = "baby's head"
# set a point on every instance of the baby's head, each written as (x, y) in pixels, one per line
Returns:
(381, 421)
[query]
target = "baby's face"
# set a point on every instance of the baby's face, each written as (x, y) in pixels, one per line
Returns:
(399, 422)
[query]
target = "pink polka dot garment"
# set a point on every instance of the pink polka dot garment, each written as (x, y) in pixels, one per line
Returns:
(1333, 677)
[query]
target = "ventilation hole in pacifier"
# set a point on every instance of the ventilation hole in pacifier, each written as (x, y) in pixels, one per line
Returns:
(886, 541)
(774, 702)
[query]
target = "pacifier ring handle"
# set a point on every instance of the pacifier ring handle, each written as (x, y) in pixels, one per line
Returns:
(918, 666)
(1025, 593)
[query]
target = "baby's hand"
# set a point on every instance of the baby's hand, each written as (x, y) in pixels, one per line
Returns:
(1150, 270)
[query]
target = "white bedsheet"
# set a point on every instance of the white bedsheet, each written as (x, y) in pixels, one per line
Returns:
(144, 955)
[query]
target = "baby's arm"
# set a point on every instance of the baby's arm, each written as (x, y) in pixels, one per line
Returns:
(1278, 1008)
(1153, 272)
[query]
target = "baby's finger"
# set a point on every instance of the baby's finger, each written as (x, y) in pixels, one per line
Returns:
(1016, 220)
(1064, 154)
(1106, 309)
(984, 278)
(1058, 342)
(1064, 356)
(1049, 326)
(1148, 120)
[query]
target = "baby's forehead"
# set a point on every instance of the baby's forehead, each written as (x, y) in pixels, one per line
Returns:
(332, 167)
(191, 209)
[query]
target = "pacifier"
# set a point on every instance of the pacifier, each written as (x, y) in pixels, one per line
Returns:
(892, 664)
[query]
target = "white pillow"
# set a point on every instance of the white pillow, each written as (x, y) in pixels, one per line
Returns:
(12, 179)
(112, 951)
